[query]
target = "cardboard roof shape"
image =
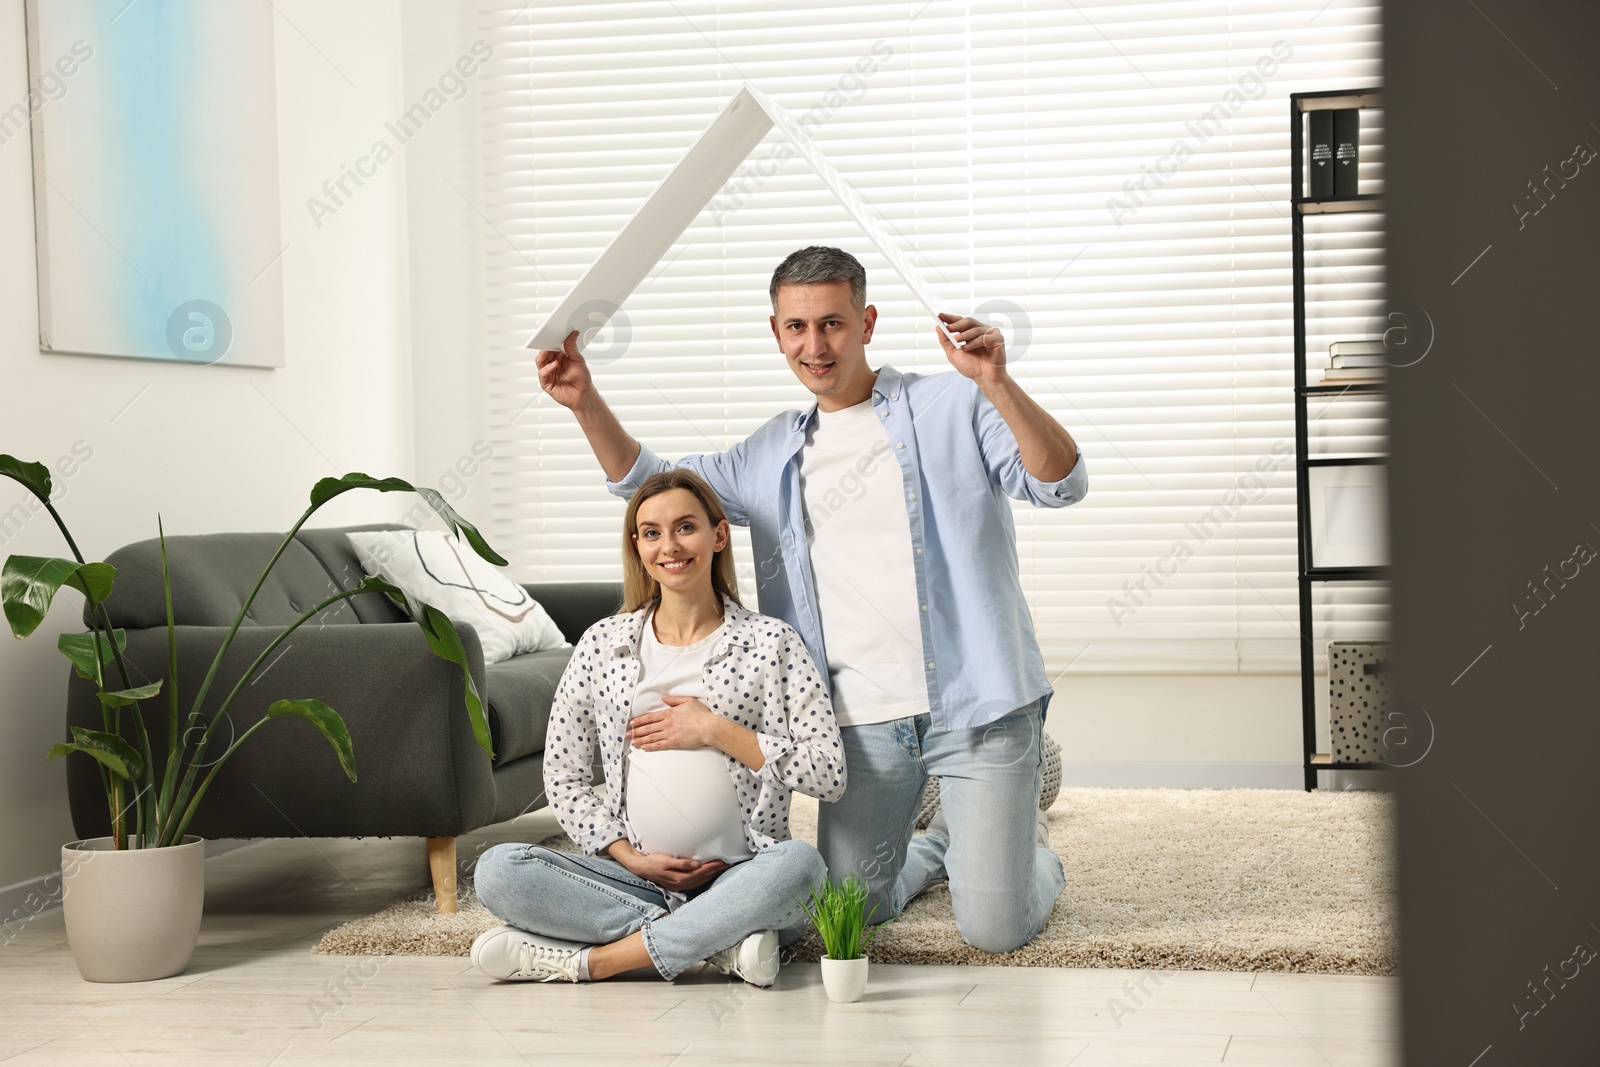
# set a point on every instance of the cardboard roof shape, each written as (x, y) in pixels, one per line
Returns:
(729, 140)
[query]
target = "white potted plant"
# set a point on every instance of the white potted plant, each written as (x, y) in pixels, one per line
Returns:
(133, 900)
(840, 914)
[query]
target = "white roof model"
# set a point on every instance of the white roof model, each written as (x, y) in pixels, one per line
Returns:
(729, 140)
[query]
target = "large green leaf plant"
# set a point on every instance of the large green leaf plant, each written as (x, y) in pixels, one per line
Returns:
(151, 802)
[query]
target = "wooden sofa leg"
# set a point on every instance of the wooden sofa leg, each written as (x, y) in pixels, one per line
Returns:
(442, 865)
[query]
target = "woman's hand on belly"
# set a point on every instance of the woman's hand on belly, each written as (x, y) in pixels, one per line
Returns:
(684, 723)
(669, 872)
(687, 723)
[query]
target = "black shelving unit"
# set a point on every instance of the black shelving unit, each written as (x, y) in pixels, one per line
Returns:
(1301, 206)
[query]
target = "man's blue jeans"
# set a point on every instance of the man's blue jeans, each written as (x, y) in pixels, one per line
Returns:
(1002, 885)
(596, 900)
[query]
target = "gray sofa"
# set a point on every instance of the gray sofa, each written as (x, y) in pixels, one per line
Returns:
(421, 772)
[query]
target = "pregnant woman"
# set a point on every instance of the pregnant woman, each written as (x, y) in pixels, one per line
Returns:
(707, 716)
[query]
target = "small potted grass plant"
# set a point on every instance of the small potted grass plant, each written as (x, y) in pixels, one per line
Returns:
(840, 914)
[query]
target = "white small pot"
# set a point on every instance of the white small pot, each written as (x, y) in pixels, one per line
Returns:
(133, 915)
(845, 980)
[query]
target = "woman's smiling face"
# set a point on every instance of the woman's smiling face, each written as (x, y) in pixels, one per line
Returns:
(677, 542)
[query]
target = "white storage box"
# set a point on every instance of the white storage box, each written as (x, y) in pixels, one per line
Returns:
(1358, 700)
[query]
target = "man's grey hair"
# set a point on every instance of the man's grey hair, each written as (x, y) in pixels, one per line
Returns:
(819, 265)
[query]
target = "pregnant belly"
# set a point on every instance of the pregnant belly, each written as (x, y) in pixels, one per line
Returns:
(681, 802)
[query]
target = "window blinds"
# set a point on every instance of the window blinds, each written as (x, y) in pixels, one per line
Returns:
(1109, 182)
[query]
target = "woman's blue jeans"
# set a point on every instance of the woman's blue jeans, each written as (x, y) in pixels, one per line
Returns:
(596, 900)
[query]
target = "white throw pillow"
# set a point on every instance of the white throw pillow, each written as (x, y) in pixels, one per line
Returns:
(433, 567)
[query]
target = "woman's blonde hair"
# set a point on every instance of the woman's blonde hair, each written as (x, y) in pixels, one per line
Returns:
(638, 588)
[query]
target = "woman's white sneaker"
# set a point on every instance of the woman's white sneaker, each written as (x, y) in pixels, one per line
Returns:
(755, 959)
(511, 955)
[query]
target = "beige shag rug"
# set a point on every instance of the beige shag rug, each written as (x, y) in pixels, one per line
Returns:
(1172, 879)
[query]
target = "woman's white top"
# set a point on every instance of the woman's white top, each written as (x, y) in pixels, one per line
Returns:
(759, 676)
(680, 801)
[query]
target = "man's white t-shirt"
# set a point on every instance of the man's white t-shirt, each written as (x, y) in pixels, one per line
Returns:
(860, 539)
(680, 801)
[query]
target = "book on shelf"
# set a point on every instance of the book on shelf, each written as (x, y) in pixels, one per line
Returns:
(1346, 150)
(1321, 129)
(1360, 360)
(1353, 376)
(1358, 348)
(1363, 354)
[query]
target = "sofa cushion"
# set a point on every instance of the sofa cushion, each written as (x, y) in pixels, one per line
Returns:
(576, 606)
(332, 548)
(211, 576)
(433, 567)
(520, 692)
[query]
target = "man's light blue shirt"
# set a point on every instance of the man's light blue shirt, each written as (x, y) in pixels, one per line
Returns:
(958, 464)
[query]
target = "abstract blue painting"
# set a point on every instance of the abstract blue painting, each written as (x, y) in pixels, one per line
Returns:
(154, 127)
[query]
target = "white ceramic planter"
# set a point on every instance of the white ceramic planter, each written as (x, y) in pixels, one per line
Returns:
(845, 980)
(132, 915)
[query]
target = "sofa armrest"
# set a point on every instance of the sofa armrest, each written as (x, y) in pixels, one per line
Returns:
(576, 606)
(420, 770)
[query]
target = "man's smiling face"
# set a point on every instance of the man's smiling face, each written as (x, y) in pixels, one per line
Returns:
(824, 338)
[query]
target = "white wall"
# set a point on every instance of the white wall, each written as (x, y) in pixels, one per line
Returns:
(447, 234)
(1177, 717)
(1182, 730)
(210, 448)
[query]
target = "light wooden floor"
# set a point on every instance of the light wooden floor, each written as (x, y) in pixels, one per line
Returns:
(256, 995)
